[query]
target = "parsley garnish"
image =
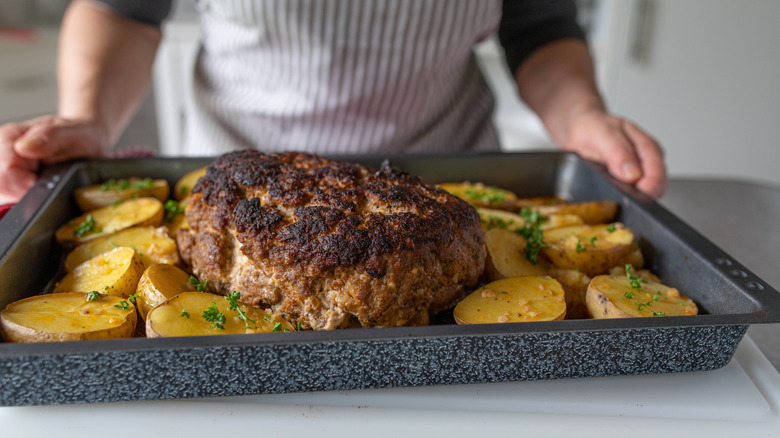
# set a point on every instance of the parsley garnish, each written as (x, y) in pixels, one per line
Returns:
(592, 240)
(124, 305)
(184, 313)
(636, 282)
(88, 226)
(489, 194)
(299, 326)
(133, 297)
(200, 286)
(232, 299)
(172, 209)
(93, 296)
(579, 247)
(659, 314)
(629, 295)
(277, 327)
(533, 235)
(118, 185)
(611, 228)
(212, 314)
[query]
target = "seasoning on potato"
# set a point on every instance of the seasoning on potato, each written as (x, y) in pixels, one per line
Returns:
(114, 273)
(67, 316)
(628, 296)
(109, 220)
(202, 313)
(513, 299)
(481, 195)
(507, 257)
(593, 249)
(152, 244)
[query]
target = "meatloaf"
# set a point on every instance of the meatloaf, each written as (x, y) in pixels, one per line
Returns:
(331, 244)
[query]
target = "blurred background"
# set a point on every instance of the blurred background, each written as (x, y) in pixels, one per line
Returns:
(700, 75)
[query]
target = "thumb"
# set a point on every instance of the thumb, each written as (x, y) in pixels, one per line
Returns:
(62, 141)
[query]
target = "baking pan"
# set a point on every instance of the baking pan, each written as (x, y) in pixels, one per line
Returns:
(729, 296)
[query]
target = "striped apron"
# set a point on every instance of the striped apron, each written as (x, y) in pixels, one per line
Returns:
(341, 76)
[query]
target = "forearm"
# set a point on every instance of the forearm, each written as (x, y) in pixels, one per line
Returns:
(557, 82)
(105, 65)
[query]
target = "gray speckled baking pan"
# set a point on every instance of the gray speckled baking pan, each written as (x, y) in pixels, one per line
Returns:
(730, 297)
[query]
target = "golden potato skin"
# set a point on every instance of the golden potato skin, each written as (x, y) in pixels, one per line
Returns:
(513, 299)
(575, 286)
(506, 257)
(574, 247)
(102, 195)
(592, 212)
(114, 273)
(159, 283)
(481, 195)
(109, 220)
(153, 246)
(67, 316)
(182, 315)
(184, 186)
(611, 296)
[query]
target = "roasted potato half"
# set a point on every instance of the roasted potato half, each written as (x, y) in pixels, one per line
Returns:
(620, 296)
(499, 219)
(116, 190)
(174, 216)
(513, 299)
(152, 244)
(159, 283)
(593, 249)
(109, 220)
(507, 258)
(113, 273)
(201, 313)
(593, 212)
(67, 316)
(184, 186)
(480, 195)
(575, 286)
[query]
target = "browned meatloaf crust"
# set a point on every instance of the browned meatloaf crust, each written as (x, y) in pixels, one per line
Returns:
(328, 243)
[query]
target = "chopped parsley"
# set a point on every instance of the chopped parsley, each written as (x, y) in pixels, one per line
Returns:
(200, 286)
(299, 326)
(629, 295)
(592, 240)
(172, 209)
(659, 314)
(232, 299)
(117, 185)
(93, 296)
(184, 313)
(133, 297)
(124, 305)
(277, 327)
(490, 194)
(533, 235)
(88, 226)
(636, 282)
(213, 315)
(611, 228)
(579, 247)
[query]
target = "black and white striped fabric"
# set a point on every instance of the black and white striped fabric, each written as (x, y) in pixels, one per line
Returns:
(341, 76)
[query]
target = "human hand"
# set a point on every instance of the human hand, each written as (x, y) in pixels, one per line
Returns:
(630, 154)
(25, 146)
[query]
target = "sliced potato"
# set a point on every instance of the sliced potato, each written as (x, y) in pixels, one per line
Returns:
(480, 195)
(513, 299)
(507, 257)
(560, 220)
(184, 186)
(67, 316)
(612, 296)
(159, 283)
(540, 200)
(183, 315)
(575, 286)
(152, 244)
(102, 195)
(644, 274)
(593, 212)
(501, 219)
(109, 220)
(593, 249)
(113, 273)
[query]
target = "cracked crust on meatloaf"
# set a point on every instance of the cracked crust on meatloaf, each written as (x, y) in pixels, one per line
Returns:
(328, 243)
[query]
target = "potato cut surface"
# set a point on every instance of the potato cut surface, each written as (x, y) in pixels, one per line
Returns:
(159, 283)
(109, 220)
(611, 296)
(480, 195)
(184, 186)
(593, 249)
(183, 315)
(153, 246)
(514, 299)
(113, 273)
(102, 195)
(499, 219)
(507, 256)
(68, 316)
